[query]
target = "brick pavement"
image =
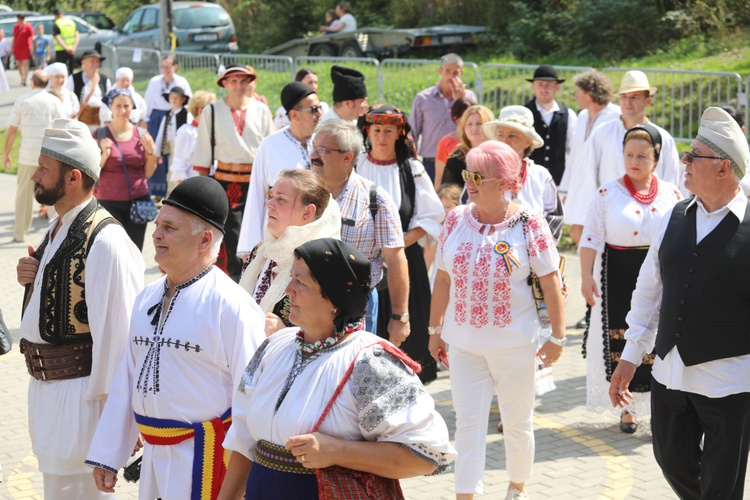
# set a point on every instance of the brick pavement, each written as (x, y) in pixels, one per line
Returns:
(579, 454)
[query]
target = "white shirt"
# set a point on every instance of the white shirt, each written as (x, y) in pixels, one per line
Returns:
(4, 48)
(60, 425)
(156, 89)
(580, 136)
(171, 131)
(218, 327)
(70, 102)
(278, 152)
(32, 114)
(331, 115)
(350, 24)
(713, 379)
(601, 161)
(96, 97)
(181, 166)
(428, 210)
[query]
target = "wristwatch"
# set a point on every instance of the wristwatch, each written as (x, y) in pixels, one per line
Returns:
(435, 330)
(560, 342)
(403, 318)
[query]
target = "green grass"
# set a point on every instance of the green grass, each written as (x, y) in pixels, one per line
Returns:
(13, 149)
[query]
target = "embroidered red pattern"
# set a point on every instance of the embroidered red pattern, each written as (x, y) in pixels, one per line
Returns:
(234, 194)
(461, 281)
(480, 287)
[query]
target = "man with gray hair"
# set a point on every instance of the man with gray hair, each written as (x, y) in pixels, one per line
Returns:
(81, 283)
(192, 334)
(691, 303)
(31, 114)
(369, 218)
(430, 117)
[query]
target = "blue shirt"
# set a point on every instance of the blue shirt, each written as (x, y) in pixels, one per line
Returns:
(40, 45)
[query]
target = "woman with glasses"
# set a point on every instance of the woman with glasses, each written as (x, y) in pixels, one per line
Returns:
(391, 163)
(300, 209)
(621, 223)
(536, 187)
(483, 307)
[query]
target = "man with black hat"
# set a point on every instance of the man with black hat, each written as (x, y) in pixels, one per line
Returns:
(691, 303)
(192, 334)
(553, 121)
(176, 117)
(90, 87)
(81, 283)
(65, 33)
(230, 132)
(286, 149)
(349, 95)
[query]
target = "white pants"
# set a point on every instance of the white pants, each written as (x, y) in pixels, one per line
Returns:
(78, 487)
(475, 377)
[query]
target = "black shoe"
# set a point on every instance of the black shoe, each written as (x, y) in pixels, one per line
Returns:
(582, 324)
(628, 427)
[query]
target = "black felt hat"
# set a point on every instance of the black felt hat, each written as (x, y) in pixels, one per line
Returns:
(176, 90)
(91, 53)
(545, 72)
(203, 197)
(292, 93)
(348, 84)
(342, 273)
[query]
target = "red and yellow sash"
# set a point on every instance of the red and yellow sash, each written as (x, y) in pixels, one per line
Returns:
(210, 459)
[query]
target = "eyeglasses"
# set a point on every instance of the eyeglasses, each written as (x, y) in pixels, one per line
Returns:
(475, 178)
(312, 109)
(322, 150)
(690, 156)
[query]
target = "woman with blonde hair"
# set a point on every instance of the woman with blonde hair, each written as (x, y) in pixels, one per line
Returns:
(184, 139)
(470, 130)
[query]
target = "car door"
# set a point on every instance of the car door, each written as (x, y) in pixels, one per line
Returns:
(149, 31)
(129, 29)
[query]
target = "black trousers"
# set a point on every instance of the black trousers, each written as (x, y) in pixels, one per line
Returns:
(679, 420)
(67, 59)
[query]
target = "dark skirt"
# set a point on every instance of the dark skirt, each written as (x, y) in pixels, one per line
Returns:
(269, 484)
(416, 345)
(157, 183)
(620, 268)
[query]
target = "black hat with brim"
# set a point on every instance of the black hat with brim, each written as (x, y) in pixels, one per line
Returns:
(92, 53)
(234, 70)
(203, 197)
(545, 73)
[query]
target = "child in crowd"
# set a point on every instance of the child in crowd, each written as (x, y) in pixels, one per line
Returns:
(450, 197)
(184, 141)
(42, 48)
(5, 48)
(332, 21)
(172, 121)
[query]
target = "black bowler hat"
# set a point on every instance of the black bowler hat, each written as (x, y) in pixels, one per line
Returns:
(348, 84)
(203, 197)
(176, 90)
(92, 53)
(292, 93)
(545, 72)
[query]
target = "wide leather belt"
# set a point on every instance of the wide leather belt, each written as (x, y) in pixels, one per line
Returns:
(240, 178)
(57, 361)
(235, 167)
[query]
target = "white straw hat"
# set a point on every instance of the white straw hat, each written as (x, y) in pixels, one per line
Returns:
(635, 81)
(516, 117)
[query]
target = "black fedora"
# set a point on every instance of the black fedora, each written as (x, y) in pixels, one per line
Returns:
(545, 72)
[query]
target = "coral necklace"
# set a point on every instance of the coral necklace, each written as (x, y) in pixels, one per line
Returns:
(643, 199)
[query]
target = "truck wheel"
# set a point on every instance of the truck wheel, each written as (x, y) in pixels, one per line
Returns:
(351, 49)
(324, 50)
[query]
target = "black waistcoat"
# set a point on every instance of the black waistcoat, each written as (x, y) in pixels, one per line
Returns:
(705, 308)
(552, 154)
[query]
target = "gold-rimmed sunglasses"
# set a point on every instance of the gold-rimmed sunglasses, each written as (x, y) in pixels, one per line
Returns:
(475, 177)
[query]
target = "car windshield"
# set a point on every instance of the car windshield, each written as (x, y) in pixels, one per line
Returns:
(200, 17)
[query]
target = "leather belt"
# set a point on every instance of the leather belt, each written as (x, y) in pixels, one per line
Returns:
(233, 172)
(221, 176)
(57, 361)
(235, 167)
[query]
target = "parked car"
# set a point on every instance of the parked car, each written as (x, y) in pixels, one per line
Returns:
(5, 14)
(90, 37)
(5, 8)
(95, 18)
(198, 26)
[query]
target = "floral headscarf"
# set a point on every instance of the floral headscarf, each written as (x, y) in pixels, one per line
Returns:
(385, 114)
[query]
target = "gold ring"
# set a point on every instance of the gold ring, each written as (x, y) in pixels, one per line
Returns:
(303, 458)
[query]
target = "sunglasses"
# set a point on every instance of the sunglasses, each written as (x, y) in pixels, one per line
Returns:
(313, 109)
(690, 156)
(475, 178)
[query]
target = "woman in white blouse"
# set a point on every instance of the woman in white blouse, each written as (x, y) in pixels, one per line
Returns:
(184, 140)
(621, 223)
(391, 163)
(482, 306)
(537, 189)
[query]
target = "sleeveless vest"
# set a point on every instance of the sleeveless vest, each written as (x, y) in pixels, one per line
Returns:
(78, 84)
(67, 32)
(552, 154)
(706, 300)
(63, 315)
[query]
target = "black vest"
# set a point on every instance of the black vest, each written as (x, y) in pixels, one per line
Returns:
(552, 154)
(78, 84)
(705, 308)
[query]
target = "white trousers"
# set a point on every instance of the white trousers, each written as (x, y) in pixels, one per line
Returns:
(475, 377)
(77, 487)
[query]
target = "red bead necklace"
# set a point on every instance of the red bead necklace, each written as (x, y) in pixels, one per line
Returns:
(643, 199)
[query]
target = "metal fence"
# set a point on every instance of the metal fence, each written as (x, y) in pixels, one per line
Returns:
(680, 99)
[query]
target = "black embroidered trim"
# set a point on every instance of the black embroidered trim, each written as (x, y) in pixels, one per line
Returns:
(427, 456)
(101, 466)
(605, 319)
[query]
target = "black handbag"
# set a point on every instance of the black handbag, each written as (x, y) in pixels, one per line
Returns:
(6, 341)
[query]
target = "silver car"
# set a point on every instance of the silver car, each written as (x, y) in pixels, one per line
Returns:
(198, 26)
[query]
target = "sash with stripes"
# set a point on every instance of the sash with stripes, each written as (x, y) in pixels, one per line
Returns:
(210, 460)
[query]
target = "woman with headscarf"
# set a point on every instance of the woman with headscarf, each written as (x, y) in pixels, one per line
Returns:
(300, 209)
(381, 422)
(391, 163)
(483, 307)
(621, 223)
(128, 160)
(536, 187)
(58, 74)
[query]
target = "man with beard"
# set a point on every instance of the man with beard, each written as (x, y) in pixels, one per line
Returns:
(32, 113)
(283, 150)
(81, 284)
